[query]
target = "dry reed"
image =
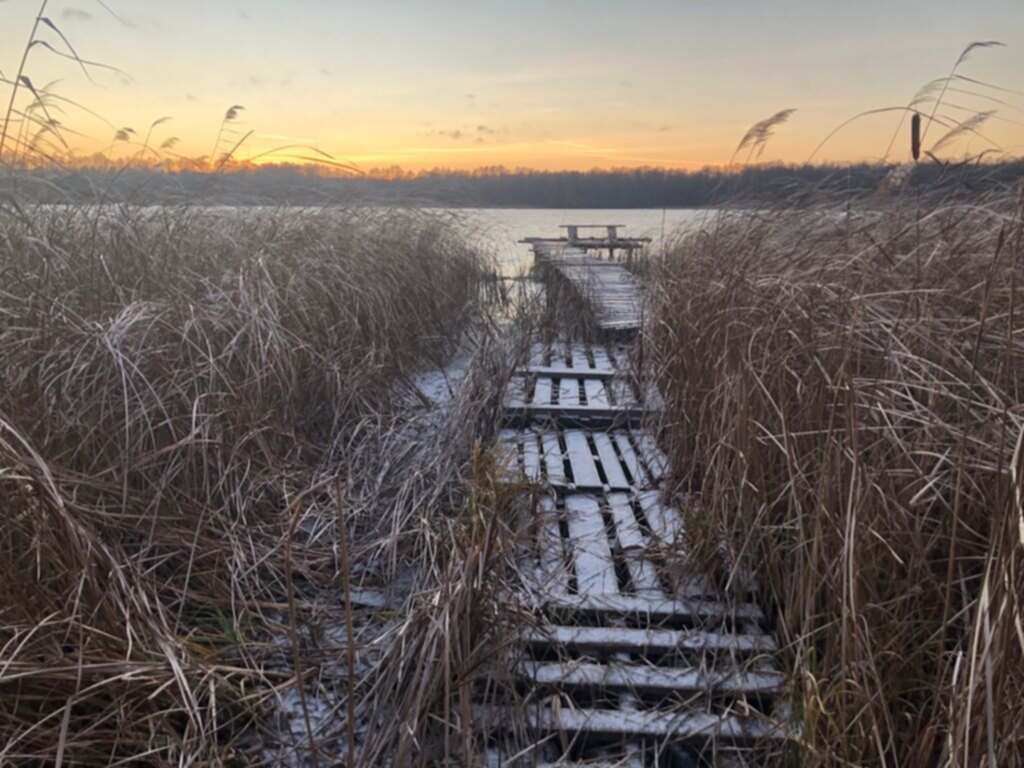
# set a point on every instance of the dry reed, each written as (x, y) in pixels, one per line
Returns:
(186, 395)
(844, 389)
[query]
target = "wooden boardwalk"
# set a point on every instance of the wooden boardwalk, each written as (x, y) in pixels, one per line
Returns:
(634, 658)
(613, 292)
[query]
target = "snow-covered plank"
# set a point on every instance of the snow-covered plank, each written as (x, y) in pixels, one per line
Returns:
(568, 392)
(542, 391)
(531, 456)
(637, 677)
(601, 360)
(594, 417)
(610, 461)
(592, 555)
(584, 471)
(659, 609)
(651, 454)
(553, 571)
(655, 724)
(553, 463)
(630, 460)
(666, 522)
(578, 373)
(647, 640)
(635, 547)
(597, 395)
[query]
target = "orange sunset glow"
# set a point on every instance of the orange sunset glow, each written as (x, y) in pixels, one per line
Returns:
(553, 86)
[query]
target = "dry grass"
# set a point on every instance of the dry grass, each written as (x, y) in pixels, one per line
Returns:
(185, 395)
(844, 389)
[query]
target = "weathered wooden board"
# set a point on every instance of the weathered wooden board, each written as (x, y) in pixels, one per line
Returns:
(656, 610)
(681, 726)
(647, 640)
(588, 540)
(634, 546)
(640, 677)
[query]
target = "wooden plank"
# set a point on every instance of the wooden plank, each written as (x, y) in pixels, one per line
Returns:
(542, 391)
(612, 723)
(576, 373)
(581, 357)
(558, 366)
(531, 456)
(666, 522)
(659, 609)
(568, 393)
(615, 295)
(584, 471)
(597, 417)
(597, 395)
(552, 452)
(610, 461)
(601, 360)
(646, 640)
(637, 677)
(630, 460)
(651, 454)
(592, 555)
(553, 571)
(635, 546)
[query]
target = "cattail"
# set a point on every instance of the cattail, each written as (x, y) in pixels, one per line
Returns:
(915, 136)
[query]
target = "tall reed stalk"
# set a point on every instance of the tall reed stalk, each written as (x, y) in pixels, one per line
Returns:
(844, 388)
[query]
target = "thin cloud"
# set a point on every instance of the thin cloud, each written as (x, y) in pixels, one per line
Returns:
(76, 14)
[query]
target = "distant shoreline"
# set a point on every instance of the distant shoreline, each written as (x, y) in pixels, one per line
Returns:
(643, 189)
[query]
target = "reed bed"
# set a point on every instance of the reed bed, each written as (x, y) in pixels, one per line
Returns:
(195, 405)
(844, 391)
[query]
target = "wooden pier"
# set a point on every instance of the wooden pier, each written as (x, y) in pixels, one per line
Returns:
(635, 658)
(589, 266)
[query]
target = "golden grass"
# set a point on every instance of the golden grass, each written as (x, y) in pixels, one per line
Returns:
(185, 395)
(845, 391)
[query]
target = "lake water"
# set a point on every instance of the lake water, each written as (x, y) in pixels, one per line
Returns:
(497, 231)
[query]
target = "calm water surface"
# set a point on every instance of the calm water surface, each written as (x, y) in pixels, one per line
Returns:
(497, 230)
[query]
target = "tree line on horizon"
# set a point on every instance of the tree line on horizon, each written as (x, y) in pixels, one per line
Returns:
(310, 184)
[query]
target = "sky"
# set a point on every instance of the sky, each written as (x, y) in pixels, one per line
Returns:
(547, 84)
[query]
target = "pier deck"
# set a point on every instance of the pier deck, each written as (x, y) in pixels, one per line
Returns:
(635, 657)
(614, 294)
